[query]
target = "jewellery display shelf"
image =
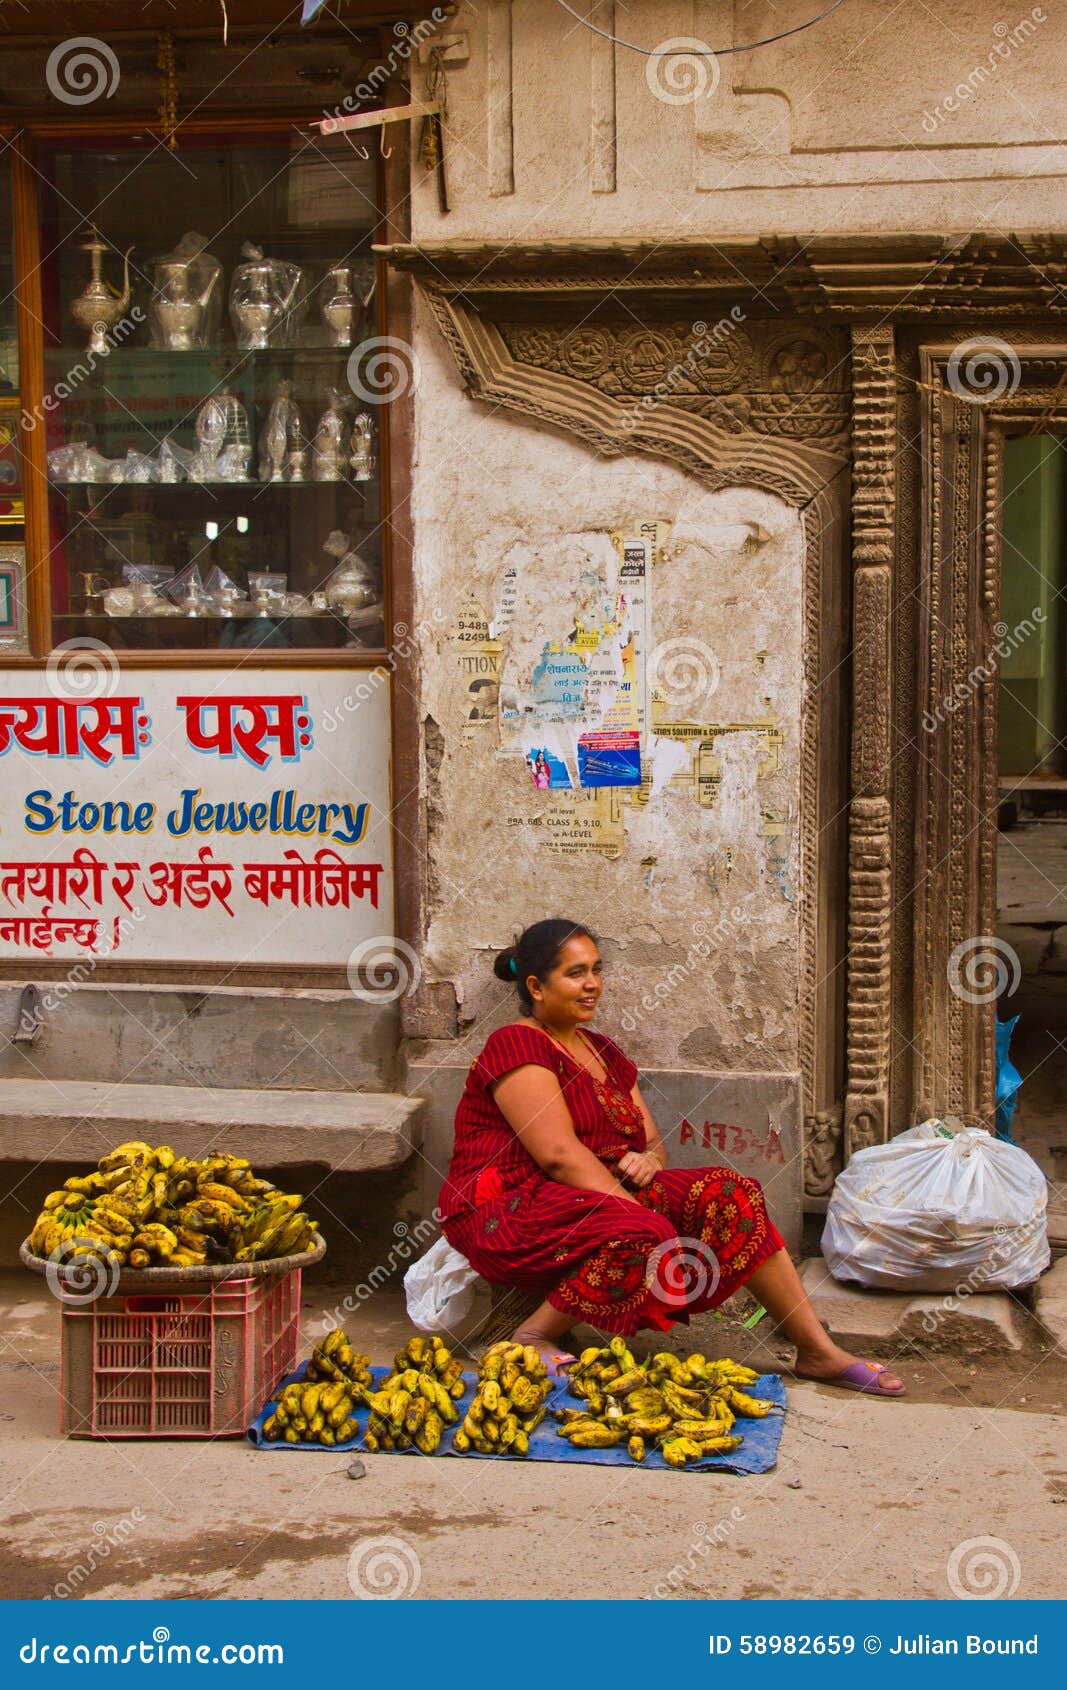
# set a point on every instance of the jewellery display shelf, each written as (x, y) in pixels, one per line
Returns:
(212, 454)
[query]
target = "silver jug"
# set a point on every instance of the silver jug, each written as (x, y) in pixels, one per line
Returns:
(184, 306)
(339, 305)
(263, 300)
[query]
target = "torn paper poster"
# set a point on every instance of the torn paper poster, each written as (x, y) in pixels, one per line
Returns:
(587, 678)
(610, 759)
(580, 822)
(701, 774)
(778, 834)
(669, 757)
(479, 665)
(550, 773)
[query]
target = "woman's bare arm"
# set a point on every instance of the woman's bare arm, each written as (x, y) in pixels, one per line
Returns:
(531, 1100)
(654, 1145)
(642, 1166)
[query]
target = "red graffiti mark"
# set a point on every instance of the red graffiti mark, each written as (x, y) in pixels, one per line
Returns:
(686, 1134)
(736, 1141)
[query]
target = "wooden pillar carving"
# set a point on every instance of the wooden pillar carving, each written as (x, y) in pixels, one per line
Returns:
(870, 838)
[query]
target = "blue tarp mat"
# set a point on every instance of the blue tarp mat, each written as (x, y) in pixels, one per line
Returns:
(758, 1453)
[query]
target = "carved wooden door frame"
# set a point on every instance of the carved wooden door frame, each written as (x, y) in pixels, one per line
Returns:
(971, 402)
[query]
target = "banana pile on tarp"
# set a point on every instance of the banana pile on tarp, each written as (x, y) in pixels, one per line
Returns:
(684, 1407)
(508, 1402)
(146, 1207)
(414, 1404)
(319, 1408)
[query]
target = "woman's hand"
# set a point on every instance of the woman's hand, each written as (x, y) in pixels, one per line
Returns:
(640, 1167)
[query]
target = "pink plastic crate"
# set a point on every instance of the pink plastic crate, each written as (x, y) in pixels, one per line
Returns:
(188, 1361)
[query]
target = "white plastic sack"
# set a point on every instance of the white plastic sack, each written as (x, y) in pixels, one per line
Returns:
(935, 1210)
(438, 1288)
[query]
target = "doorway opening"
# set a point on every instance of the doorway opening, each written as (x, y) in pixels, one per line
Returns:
(1032, 815)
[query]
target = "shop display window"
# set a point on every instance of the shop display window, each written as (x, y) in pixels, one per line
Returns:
(213, 455)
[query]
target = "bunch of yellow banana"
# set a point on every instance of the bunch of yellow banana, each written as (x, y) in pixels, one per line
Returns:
(312, 1414)
(334, 1361)
(508, 1402)
(417, 1400)
(687, 1407)
(147, 1207)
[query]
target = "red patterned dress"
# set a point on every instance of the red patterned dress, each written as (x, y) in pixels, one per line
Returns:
(696, 1237)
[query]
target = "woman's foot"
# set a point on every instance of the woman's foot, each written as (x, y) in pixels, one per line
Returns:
(556, 1360)
(835, 1366)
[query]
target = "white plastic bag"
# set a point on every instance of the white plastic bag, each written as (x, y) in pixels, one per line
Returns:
(438, 1288)
(933, 1210)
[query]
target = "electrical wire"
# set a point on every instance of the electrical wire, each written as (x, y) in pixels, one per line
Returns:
(694, 52)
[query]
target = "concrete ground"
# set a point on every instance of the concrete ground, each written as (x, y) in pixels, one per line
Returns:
(869, 1498)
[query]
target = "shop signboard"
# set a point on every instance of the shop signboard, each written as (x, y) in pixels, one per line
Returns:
(194, 816)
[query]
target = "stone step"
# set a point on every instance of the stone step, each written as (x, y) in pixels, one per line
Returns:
(1050, 1305)
(216, 1036)
(866, 1321)
(78, 1121)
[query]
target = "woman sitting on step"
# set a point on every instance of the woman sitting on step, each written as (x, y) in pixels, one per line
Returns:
(559, 1184)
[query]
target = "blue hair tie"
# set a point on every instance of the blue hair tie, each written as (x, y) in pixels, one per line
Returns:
(513, 968)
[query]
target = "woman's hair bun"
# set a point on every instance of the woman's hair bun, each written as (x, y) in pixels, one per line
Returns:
(502, 966)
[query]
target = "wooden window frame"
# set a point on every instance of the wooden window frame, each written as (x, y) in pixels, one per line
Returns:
(26, 177)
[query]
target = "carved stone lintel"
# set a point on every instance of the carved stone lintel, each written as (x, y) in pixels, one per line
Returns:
(917, 278)
(623, 389)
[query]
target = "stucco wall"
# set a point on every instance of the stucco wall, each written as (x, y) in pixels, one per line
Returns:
(883, 117)
(693, 891)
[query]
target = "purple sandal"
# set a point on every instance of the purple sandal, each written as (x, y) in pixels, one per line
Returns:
(558, 1364)
(864, 1376)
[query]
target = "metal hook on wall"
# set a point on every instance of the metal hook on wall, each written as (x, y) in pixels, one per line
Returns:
(387, 152)
(360, 152)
